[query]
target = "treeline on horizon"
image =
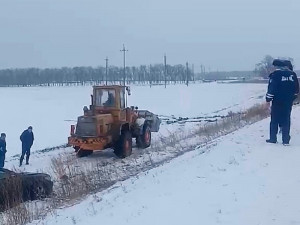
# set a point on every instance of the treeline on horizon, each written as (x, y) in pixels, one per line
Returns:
(153, 74)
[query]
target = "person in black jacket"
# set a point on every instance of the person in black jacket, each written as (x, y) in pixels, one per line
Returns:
(290, 66)
(2, 149)
(27, 139)
(283, 88)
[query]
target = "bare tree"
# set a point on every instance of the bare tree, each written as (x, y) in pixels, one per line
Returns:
(264, 68)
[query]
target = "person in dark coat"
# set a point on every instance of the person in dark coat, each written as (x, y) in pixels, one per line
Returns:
(2, 149)
(27, 139)
(110, 100)
(290, 66)
(283, 88)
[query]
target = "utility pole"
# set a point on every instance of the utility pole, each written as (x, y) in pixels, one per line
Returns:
(193, 72)
(187, 74)
(202, 69)
(150, 76)
(165, 60)
(106, 70)
(124, 50)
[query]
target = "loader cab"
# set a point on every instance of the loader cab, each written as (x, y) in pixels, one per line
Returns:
(110, 97)
(105, 98)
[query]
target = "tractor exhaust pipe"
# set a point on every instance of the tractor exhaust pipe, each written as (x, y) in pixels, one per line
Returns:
(72, 132)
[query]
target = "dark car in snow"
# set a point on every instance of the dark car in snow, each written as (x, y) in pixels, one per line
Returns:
(20, 187)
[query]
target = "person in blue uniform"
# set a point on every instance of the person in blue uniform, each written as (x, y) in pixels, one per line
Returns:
(283, 88)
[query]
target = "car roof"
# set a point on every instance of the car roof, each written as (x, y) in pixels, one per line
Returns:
(4, 173)
(5, 170)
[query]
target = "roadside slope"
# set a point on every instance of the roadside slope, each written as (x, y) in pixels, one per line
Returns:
(240, 180)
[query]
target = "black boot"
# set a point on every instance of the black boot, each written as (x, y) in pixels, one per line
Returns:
(21, 161)
(27, 160)
(271, 141)
(286, 141)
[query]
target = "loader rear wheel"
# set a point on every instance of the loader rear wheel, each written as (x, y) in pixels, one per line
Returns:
(144, 140)
(83, 153)
(124, 146)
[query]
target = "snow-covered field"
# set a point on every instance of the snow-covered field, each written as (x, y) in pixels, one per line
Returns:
(239, 180)
(51, 110)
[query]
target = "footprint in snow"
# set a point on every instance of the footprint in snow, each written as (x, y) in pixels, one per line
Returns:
(233, 161)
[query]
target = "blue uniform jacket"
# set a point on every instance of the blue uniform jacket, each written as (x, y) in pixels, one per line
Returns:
(283, 86)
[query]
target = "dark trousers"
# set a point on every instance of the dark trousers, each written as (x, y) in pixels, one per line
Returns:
(2, 159)
(281, 116)
(25, 150)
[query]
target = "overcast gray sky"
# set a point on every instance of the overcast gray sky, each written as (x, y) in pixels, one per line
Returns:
(220, 34)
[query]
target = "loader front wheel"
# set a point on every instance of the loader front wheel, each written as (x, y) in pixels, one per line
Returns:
(144, 140)
(124, 146)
